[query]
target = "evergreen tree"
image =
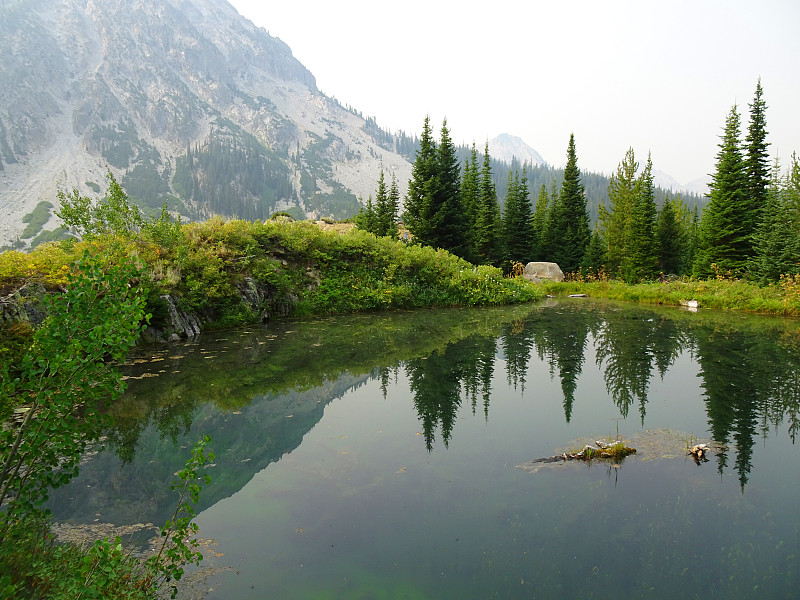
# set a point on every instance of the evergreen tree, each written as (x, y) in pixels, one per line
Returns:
(487, 216)
(595, 258)
(672, 233)
(616, 219)
(419, 210)
(724, 236)
(386, 203)
(776, 242)
(451, 228)
(469, 186)
(366, 219)
(518, 230)
(643, 246)
(394, 206)
(434, 212)
(756, 161)
(540, 223)
(572, 220)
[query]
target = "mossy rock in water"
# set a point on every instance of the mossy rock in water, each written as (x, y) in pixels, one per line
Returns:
(645, 445)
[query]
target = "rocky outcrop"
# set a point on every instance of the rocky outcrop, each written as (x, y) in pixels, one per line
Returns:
(536, 271)
(24, 305)
(173, 323)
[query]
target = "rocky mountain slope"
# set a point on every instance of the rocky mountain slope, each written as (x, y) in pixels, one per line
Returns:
(183, 100)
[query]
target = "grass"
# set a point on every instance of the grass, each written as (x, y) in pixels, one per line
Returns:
(781, 298)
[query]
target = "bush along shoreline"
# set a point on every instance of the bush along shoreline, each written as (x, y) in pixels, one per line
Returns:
(221, 274)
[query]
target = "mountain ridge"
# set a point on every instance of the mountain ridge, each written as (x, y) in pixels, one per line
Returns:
(98, 85)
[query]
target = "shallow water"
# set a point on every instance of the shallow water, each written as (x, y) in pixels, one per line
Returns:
(377, 456)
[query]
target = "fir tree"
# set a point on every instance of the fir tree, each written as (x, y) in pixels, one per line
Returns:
(671, 239)
(642, 246)
(540, 224)
(724, 236)
(756, 162)
(572, 221)
(366, 219)
(616, 219)
(418, 212)
(595, 258)
(385, 209)
(776, 242)
(451, 224)
(486, 217)
(518, 230)
(393, 206)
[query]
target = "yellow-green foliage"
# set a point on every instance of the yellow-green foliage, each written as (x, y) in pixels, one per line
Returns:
(323, 271)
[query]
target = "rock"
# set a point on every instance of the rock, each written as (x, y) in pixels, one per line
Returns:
(578, 296)
(175, 324)
(24, 305)
(690, 304)
(537, 271)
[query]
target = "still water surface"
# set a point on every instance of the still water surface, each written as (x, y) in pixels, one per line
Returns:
(379, 456)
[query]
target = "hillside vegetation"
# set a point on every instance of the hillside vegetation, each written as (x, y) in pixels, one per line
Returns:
(298, 268)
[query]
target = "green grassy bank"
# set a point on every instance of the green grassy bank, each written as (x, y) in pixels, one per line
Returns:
(781, 299)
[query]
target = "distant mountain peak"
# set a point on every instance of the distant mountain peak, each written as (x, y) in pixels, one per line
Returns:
(507, 147)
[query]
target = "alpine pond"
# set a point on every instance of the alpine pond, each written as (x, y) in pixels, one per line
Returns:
(391, 456)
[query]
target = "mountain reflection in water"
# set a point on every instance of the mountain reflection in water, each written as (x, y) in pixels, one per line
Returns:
(261, 393)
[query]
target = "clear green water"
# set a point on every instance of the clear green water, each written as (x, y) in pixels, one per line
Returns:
(376, 456)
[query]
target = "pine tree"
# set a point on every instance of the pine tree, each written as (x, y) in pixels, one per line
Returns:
(756, 162)
(572, 224)
(393, 206)
(418, 212)
(540, 224)
(386, 206)
(469, 186)
(724, 238)
(642, 246)
(671, 238)
(451, 223)
(366, 219)
(776, 241)
(616, 219)
(595, 258)
(487, 216)
(518, 233)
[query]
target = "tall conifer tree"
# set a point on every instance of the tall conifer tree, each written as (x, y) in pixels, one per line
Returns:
(643, 246)
(756, 161)
(418, 212)
(724, 236)
(518, 233)
(487, 216)
(451, 221)
(617, 218)
(571, 222)
(540, 224)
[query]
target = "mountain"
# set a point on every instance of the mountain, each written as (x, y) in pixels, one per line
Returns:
(507, 147)
(182, 100)
(696, 186)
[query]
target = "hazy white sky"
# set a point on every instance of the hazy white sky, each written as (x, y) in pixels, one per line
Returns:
(655, 75)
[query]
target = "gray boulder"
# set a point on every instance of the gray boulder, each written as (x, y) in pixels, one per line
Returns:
(536, 271)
